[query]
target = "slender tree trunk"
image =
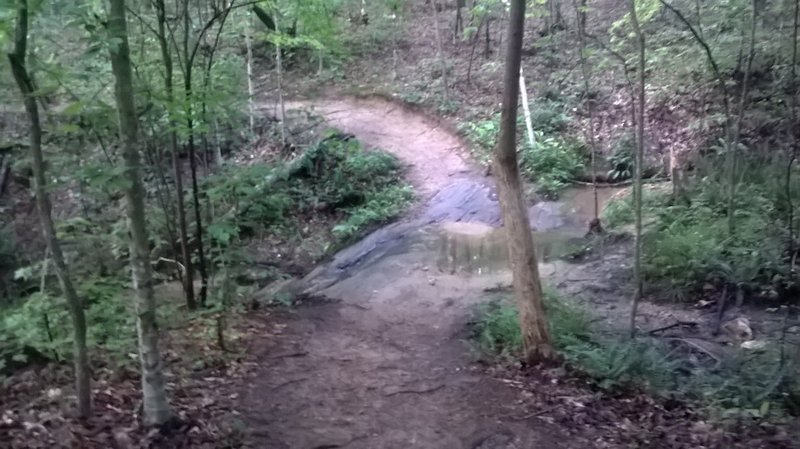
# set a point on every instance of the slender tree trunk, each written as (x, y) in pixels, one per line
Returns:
(458, 26)
(487, 49)
(189, 109)
(279, 70)
(166, 56)
(793, 94)
(442, 59)
(522, 252)
(637, 181)
(250, 90)
(526, 109)
(581, 15)
(737, 132)
(23, 80)
(155, 403)
(475, 40)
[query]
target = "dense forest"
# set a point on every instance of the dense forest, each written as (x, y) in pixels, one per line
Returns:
(399, 223)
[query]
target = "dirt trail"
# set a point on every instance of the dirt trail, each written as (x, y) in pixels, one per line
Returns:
(433, 156)
(383, 362)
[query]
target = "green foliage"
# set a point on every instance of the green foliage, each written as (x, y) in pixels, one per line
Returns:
(335, 176)
(497, 326)
(690, 244)
(752, 384)
(552, 163)
(622, 158)
(548, 116)
(379, 208)
(619, 211)
(42, 321)
(554, 160)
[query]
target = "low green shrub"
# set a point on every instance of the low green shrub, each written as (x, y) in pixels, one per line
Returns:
(42, 321)
(551, 163)
(379, 208)
(497, 326)
(619, 211)
(336, 177)
(621, 159)
(753, 384)
(548, 116)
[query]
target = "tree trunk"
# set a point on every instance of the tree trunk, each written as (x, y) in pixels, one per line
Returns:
(526, 110)
(23, 80)
(458, 26)
(733, 147)
(189, 109)
(792, 103)
(522, 253)
(475, 40)
(580, 12)
(166, 56)
(442, 59)
(637, 178)
(155, 404)
(279, 70)
(250, 90)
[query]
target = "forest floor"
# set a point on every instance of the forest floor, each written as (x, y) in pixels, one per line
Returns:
(374, 355)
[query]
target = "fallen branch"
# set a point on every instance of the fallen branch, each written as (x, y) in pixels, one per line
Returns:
(289, 355)
(422, 391)
(605, 185)
(672, 326)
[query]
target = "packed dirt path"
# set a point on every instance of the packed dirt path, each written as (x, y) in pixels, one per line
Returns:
(377, 358)
(432, 155)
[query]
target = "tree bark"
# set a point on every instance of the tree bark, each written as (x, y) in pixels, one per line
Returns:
(166, 56)
(580, 12)
(188, 98)
(526, 110)
(637, 180)
(250, 90)
(279, 70)
(522, 253)
(155, 403)
(442, 60)
(733, 147)
(26, 87)
(793, 93)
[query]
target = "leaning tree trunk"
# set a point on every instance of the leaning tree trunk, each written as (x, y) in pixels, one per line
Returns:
(155, 404)
(522, 253)
(637, 180)
(23, 80)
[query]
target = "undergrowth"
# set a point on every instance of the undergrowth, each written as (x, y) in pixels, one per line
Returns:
(688, 244)
(552, 162)
(335, 178)
(335, 183)
(756, 384)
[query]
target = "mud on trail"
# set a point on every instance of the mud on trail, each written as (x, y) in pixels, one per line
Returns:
(376, 357)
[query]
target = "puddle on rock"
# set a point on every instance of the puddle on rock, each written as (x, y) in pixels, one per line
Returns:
(478, 248)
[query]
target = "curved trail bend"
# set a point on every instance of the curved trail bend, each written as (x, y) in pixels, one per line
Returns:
(384, 363)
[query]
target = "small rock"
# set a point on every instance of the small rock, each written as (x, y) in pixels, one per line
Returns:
(738, 329)
(431, 280)
(54, 393)
(754, 344)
